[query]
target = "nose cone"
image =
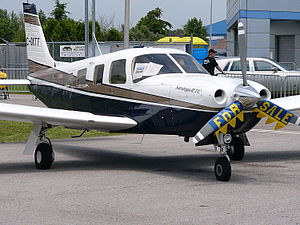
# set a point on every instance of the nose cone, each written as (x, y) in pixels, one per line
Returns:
(247, 95)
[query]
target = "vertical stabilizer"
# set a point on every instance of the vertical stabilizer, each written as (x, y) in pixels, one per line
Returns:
(39, 57)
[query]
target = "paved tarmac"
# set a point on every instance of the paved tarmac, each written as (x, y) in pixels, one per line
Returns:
(118, 180)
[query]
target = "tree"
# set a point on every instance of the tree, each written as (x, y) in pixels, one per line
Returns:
(195, 27)
(100, 36)
(142, 33)
(106, 22)
(176, 32)
(113, 34)
(59, 12)
(151, 27)
(11, 26)
(154, 22)
(43, 17)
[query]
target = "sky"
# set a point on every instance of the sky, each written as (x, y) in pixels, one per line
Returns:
(175, 13)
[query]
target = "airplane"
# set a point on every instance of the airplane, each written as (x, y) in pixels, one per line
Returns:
(145, 91)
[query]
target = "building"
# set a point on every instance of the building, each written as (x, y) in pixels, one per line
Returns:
(272, 28)
(219, 34)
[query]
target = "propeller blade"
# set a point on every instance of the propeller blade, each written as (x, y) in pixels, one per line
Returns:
(275, 113)
(219, 123)
(243, 51)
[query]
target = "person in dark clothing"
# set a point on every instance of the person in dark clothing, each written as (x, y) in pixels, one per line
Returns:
(210, 62)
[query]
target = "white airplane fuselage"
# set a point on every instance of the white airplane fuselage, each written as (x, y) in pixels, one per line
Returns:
(171, 103)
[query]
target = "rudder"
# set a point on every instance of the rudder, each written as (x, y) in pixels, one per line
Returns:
(38, 54)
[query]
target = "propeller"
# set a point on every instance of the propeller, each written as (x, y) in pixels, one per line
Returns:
(245, 98)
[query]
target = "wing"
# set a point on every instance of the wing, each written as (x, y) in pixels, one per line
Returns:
(66, 118)
(288, 103)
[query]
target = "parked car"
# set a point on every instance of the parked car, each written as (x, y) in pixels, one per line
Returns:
(264, 66)
(280, 80)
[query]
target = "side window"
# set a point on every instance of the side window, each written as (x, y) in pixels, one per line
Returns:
(81, 75)
(236, 66)
(98, 74)
(262, 66)
(117, 72)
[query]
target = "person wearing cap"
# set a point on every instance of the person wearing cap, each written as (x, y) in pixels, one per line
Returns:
(210, 62)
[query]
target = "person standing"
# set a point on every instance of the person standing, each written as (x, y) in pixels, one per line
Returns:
(3, 88)
(210, 62)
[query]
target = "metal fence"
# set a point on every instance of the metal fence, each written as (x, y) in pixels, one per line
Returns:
(280, 86)
(13, 60)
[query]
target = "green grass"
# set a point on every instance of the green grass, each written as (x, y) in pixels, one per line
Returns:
(11, 131)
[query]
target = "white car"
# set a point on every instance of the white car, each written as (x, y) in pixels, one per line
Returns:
(279, 80)
(262, 66)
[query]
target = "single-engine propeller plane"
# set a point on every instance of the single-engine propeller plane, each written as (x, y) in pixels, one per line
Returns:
(142, 90)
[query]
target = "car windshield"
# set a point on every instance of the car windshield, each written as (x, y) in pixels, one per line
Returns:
(188, 63)
(149, 65)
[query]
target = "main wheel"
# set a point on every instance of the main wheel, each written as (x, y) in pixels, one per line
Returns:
(238, 150)
(222, 169)
(43, 156)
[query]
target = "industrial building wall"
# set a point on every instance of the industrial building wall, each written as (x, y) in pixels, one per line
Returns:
(271, 27)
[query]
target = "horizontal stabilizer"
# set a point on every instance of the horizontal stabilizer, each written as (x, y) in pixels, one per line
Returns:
(14, 82)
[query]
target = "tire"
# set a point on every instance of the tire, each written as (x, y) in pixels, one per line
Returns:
(43, 156)
(222, 169)
(238, 149)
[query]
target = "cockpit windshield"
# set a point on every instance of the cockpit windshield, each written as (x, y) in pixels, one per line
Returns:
(189, 63)
(149, 65)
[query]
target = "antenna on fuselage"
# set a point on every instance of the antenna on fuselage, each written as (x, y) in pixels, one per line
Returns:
(243, 51)
(98, 47)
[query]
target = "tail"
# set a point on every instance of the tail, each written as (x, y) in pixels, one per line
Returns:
(39, 57)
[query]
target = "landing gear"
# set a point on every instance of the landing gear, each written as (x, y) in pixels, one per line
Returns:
(222, 166)
(229, 147)
(40, 147)
(237, 150)
(43, 156)
(222, 169)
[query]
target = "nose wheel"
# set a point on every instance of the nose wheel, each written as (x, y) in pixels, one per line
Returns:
(222, 166)
(222, 169)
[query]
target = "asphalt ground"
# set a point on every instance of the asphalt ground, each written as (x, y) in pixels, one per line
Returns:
(157, 180)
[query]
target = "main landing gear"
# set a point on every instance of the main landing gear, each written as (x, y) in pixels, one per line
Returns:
(43, 154)
(228, 148)
(40, 147)
(237, 149)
